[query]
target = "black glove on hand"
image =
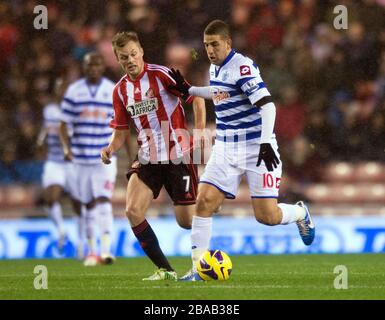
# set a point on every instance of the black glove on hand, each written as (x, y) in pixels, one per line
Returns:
(267, 154)
(181, 84)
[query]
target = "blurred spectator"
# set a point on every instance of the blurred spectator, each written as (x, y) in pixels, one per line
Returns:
(363, 54)
(278, 75)
(290, 119)
(302, 161)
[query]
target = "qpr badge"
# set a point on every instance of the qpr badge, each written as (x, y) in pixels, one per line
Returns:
(245, 70)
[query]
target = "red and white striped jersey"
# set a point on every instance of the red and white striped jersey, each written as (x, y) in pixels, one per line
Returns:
(156, 112)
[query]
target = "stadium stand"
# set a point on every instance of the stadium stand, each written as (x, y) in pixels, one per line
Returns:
(328, 85)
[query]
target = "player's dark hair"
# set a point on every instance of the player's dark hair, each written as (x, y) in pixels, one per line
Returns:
(218, 27)
(122, 38)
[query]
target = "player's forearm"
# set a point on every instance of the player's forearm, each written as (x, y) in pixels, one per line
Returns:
(199, 113)
(41, 137)
(64, 137)
(268, 119)
(118, 138)
(203, 92)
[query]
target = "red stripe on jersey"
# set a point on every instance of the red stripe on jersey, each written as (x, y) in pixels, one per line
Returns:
(123, 91)
(162, 117)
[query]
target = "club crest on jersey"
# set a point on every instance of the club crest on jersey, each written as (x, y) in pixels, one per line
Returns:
(245, 70)
(225, 76)
(141, 108)
(150, 93)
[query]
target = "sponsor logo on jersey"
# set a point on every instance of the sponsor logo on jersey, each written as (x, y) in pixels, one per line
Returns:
(245, 70)
(93, 113)
(144, 107)
(218, 96)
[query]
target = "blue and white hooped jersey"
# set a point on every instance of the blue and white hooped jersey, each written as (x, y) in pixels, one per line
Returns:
(235, 86)
(52, 117)
(88, 108)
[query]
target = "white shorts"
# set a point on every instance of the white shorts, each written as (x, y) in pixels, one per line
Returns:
(230, 161)
(61, 174)
(95, 180)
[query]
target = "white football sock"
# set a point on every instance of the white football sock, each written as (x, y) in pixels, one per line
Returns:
(106, 219)
(90, 221)
(56, 214)
(291, 213)
(200, 237)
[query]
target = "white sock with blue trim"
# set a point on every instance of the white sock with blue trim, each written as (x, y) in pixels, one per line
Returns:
(200, 237)
(291, 213)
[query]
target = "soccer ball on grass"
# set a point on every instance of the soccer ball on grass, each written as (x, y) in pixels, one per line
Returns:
(214, 265)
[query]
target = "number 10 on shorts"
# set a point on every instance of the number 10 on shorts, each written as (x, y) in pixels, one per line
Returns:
(270, 182)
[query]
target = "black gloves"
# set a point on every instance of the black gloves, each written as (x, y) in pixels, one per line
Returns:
(181, 85)
(267, 154)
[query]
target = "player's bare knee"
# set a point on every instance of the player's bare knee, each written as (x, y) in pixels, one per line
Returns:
(267, 220)
(205, 205)
(185, 224)
(134, 214)
(267, 216)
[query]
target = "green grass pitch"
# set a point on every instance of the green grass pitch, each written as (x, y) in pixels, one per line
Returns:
(253, 278)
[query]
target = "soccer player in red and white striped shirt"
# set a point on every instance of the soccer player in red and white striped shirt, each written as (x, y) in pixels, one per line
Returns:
(143, 98)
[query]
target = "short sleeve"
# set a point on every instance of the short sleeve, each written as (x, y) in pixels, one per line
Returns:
(250, 81)
(121, 119)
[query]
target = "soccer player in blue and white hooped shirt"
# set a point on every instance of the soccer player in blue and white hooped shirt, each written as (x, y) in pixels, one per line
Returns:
(245, 144)
(87, 107)
(58, 175)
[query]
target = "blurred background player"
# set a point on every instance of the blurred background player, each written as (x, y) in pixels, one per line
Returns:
(58, 175)
(245, 144)
(143, 98)
(87, 107)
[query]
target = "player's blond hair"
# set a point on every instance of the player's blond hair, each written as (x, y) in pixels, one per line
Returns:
(122, 38)
(218, 27)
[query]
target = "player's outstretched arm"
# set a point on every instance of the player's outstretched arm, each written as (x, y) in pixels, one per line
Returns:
(182, 86)
(41, 138)
(119, 137)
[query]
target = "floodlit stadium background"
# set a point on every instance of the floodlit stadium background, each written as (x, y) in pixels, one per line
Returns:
(328, 85)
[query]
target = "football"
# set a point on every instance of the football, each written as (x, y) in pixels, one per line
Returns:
(214, 265)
